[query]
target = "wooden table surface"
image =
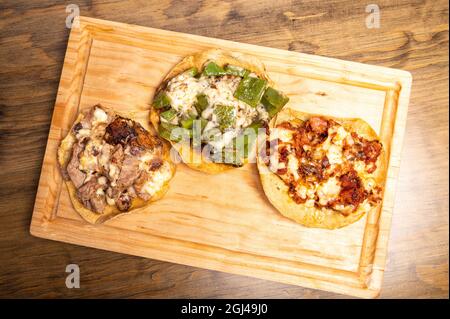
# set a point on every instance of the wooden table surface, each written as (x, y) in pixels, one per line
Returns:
(413, 36)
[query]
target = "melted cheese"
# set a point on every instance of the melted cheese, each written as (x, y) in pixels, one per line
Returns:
(293, 166)
(183, 90)
(360, 167)
(157, 180)
(341, 134)
(369, 184)
(334, 154)
(328, 191)
(302, 191)
(283, 134)
(88, 163)
(103, 160)
(222, 91)
(102, 180)
(144, 160)
(223, 139)
(100, 116)
(84, 132)
(110, 201)
(113, 172)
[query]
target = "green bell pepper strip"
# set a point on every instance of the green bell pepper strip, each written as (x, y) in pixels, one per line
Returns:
(169, 115)
(236, 70)
(273, 101)
(225, 116)
(255, 126)
(192, 71)
(187, 123)
(212, 69)
(197, 129)
(161, 100)
(250, 90)
(246, 139)
(167, 131)
(201, 104)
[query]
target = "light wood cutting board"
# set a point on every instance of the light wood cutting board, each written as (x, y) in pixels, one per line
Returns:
(224, 222)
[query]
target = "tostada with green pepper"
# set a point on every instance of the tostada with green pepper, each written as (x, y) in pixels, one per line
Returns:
(215, 99)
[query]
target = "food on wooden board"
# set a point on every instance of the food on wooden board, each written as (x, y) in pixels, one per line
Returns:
(321, 171)
(112, 165)
(217, 100)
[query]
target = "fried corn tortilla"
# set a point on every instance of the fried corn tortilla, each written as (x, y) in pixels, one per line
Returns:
(322, 171)
(112, 165)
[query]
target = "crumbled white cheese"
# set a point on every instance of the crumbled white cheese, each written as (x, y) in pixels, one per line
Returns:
(273, 161)
(184, 89)
(302, 191)
(144, 160)
(84, 132)
(207, 114)
(293, 166)
(334, 154)
(88, 162)
(263, 114)
(359, 166)
(100, 116)
(341, 134)
(311, 192)
(281, 165)
(110, 201)
(221, 90)
(328, 190)
(113, 172)
(157, 179)
(223, 139)
(283, 134)
(349, 140)
(102, 180)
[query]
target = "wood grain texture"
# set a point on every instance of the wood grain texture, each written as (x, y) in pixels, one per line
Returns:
(33, 51)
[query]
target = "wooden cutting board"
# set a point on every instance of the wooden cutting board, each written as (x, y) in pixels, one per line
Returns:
(224, 222)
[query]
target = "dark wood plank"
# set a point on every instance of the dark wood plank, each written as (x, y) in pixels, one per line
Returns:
(413, 36)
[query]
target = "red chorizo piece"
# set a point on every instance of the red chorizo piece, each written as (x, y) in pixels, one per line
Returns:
(318, 125)
(286, 126)
(293, 194)
(284, 153)
(372, 150)
(352, 190)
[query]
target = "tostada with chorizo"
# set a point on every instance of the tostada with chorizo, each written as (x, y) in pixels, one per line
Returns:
(321, 171)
